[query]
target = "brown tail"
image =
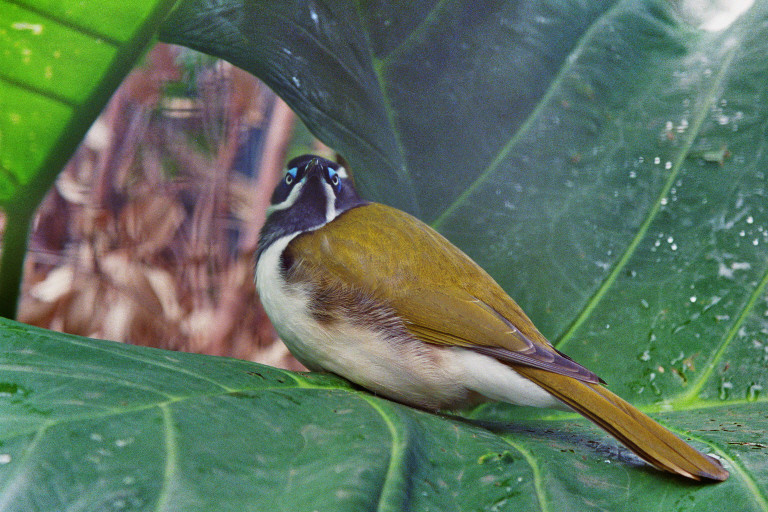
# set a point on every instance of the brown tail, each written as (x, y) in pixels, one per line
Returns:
(649, 440)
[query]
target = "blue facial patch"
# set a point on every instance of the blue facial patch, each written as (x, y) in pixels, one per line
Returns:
(334, 179)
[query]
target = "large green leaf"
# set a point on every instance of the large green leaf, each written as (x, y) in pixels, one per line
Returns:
(604, 161)
(95, 425)
(60, 61)
(555, 142)
(576, 151)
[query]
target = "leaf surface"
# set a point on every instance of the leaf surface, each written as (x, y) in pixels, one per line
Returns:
(95, 425)
(604, 161)
(60, 63)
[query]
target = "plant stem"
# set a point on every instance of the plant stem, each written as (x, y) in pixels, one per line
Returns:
(13, 250)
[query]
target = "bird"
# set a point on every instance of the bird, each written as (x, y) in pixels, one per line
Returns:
(372, 294)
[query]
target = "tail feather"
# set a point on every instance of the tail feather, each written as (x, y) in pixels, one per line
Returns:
(641, 434)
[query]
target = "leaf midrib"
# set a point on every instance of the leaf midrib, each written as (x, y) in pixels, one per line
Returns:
(528, 124)
(170, 468)
(388, 496)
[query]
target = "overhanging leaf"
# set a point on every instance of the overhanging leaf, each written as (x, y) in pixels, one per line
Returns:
(60, 61)
(552, 141)
(602, 160)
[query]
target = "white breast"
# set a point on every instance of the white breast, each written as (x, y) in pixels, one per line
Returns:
(286, 308)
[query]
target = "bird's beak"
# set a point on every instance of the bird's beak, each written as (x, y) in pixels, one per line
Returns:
(314, 167)
(313, 188)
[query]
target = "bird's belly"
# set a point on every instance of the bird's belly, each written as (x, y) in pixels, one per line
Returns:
(405, 370)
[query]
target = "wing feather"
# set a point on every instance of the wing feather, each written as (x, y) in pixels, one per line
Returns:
(452, 302)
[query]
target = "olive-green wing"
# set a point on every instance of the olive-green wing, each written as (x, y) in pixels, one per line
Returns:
(442, 296)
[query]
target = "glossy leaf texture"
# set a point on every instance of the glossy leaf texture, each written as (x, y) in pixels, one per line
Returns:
(94, 425)
(60, 62)
(602, 160)
(555, 142)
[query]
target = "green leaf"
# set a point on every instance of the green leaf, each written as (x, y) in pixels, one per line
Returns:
(60, 61)
(95, 425)
(60, 64)
(603, 161)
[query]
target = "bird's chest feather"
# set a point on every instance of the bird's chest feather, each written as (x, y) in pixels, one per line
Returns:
(354, 337)
(288, 307)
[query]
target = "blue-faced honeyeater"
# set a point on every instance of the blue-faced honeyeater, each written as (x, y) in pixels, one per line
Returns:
(372, 294)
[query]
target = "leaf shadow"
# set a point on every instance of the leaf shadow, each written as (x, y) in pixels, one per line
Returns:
(570, 441)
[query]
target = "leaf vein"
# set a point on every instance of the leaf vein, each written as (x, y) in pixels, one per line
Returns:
(146, 360)
(759, 496)
(390, 491)
(701, 115)
(79, 376)
(526, 127)
(15, 483)
(538, 483)
(105, 38)
(171, 459)
(701, 380)
(409, 41)
(26, 86)
(386, 103)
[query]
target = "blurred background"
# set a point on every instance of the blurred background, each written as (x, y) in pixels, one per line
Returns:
(149, 235)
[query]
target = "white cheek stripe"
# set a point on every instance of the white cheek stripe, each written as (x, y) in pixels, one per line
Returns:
(288, 201)
(330, 198)
(330, 203)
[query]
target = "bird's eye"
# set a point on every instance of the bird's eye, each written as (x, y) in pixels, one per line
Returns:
(290, 176)
(334, 179)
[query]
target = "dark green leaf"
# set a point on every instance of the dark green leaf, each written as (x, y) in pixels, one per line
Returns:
(604, 161)
(94, 425)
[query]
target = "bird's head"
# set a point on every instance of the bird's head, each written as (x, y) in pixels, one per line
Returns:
(313, 192)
